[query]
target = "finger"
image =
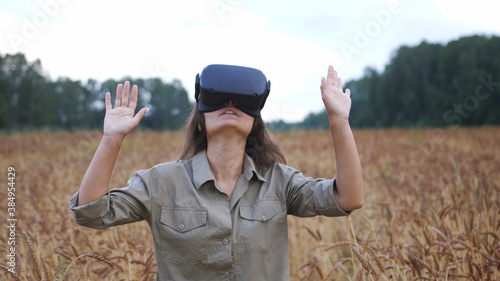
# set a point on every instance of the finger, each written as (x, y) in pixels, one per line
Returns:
(138, 117)
(322, 85)
(118, 98)
(331, 74)
(133, 98)
(126, 92)
(339, 83)
(107, 101)
(348, 92)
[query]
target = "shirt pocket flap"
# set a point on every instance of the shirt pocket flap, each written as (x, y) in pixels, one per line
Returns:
(262, 211)
(183, 219)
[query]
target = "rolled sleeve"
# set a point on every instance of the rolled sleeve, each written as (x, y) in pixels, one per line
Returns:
(90, 214)
(307, 197)
(324, 199)
(119, 206)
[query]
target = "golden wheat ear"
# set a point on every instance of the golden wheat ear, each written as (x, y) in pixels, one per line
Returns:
(34, 260)
(367, 265)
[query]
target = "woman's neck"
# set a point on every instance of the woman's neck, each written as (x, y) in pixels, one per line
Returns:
(225, 156)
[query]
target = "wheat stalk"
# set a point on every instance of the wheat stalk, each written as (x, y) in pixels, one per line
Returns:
(377, 261)
(44, 267)
(365, 263)
(426, 266)
(359, 276)
(414, 262)
(33, 256)
(91, 255)
(87, 268)
(314, 235)
(337, 244)
(149, 264)
(103, 259)
(313, 266)
(349, 229)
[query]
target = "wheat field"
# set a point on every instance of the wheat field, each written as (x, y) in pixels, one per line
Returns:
(432, 207)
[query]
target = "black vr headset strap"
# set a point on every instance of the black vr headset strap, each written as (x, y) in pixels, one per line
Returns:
(268, 90)
(197, 88)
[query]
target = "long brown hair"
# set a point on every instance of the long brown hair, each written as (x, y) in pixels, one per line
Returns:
(259, 145)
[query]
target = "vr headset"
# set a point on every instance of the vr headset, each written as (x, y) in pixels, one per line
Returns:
(219, 84)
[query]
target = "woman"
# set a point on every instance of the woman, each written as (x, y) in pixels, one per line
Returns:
(220, 212)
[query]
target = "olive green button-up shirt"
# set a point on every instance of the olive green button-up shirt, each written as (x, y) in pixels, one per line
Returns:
(199, 232)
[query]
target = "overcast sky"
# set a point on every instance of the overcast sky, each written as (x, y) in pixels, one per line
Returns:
(292, 42)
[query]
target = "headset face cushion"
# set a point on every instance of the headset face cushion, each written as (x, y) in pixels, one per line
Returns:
(219, 84)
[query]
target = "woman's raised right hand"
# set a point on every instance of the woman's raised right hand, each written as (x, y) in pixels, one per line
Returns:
(120, 121)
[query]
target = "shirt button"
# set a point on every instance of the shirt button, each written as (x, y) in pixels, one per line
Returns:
(181, 226)
(264, 217)
(226, 274)
(225, 241)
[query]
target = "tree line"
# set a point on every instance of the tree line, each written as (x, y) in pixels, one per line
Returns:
(29, 100)
(428, 85)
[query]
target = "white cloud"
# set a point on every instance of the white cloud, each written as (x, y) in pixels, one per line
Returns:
(479, 13)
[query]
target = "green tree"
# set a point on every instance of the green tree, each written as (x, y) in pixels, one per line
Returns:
(22, 86)
(169, 104)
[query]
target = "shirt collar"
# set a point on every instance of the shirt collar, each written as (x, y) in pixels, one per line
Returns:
(249, 169)
(202, 172)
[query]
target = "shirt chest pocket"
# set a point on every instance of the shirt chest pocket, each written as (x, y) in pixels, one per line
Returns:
(264, 226)
(183, 234)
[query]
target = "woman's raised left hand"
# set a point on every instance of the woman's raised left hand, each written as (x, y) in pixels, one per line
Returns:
(337, 103)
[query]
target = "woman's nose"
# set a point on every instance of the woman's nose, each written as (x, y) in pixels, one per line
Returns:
(230, 102)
